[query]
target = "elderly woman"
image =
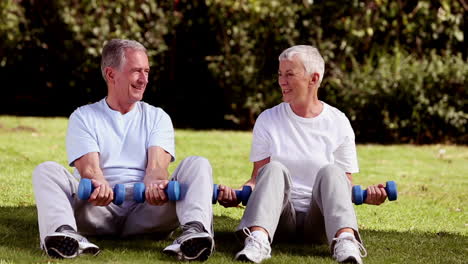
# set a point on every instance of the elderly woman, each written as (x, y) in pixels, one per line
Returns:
(303, 155)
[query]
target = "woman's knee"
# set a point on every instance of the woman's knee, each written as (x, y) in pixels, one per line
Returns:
(275, 171)
(331, 171)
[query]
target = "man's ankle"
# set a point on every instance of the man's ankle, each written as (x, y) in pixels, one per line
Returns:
(65, 228)
(197, 225)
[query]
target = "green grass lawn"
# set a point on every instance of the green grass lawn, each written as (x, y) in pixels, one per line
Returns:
(428, 223)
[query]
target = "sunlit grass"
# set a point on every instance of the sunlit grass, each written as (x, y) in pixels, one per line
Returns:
(427, 224)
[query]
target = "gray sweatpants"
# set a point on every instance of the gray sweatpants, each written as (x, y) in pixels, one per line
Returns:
(270, 206)
(58, 204)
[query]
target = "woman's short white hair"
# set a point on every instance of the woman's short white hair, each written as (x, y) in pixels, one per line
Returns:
(309, 56)
(113, 53)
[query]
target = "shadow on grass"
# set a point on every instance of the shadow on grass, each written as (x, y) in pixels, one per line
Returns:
(19, 239)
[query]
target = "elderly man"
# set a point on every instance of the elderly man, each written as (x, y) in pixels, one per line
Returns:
(122, 140)
(303, 155)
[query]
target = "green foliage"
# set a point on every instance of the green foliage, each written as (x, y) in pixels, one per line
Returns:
(214, 63)
(250, 35)
(92, 23)
(11, 17)
(365, 45)
(400, 98)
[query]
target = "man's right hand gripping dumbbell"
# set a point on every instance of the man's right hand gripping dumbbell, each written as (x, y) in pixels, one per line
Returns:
(99, 193)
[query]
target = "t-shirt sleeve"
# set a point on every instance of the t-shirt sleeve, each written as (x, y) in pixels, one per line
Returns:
(260, 140)
(346, 155)
(162, 134)
(80, 139)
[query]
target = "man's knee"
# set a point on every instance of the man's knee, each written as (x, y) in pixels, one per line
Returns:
(198, 161)
(45, 169)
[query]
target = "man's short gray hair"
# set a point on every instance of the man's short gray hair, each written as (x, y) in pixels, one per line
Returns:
(309, 56)
(113, 53)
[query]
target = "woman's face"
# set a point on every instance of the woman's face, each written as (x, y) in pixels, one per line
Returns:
(294, 81)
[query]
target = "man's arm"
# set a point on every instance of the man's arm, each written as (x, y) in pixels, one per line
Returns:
(156, 177)
(88, 167)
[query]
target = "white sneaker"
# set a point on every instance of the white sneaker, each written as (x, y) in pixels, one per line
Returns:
(68, 244)
(348, 249)
(255, 249)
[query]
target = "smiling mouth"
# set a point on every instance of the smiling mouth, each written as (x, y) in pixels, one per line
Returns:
(286, 91)
(138, 87)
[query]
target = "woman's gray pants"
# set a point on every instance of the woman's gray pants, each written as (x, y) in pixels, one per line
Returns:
(270, 206)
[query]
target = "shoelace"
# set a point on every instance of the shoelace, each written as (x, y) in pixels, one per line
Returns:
(255, 242)
(340, 246)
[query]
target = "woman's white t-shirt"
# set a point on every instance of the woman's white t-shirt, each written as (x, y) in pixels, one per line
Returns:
(304, 145)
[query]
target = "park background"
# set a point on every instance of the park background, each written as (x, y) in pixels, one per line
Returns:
(398, 69)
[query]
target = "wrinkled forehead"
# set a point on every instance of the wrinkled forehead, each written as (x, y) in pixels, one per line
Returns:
(294, 64)
(135, 58)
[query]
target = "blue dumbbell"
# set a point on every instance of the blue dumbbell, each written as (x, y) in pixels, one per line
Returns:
(86, 188)
(172, 191)
(242, 196)
(359, 195)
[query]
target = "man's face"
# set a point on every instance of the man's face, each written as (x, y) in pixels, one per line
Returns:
(293, 80)
(131, 80)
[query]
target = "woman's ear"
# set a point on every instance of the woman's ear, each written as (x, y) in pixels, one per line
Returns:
(315, 78)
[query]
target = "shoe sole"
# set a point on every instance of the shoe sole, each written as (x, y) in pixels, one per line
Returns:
(198, 248)
(91, 250)
(61, 246)
(351, 260)
(243, 258)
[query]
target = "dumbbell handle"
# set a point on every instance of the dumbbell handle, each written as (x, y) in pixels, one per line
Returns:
(85, 188)
(242, 195)
(359, 195)
(172, 191)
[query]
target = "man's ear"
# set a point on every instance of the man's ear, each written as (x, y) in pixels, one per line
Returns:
(110, 74)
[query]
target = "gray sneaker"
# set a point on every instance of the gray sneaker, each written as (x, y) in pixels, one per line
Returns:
(194, 243)
(68, 244)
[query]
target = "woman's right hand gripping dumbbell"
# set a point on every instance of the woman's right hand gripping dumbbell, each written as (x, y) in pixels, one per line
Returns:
(229, 197)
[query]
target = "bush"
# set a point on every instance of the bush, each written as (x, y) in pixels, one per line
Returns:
(250, 37)
(214, 62)
(399, 98)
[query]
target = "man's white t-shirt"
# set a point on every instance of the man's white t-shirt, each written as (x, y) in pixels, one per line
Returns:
(304, 145)
(122, 141)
